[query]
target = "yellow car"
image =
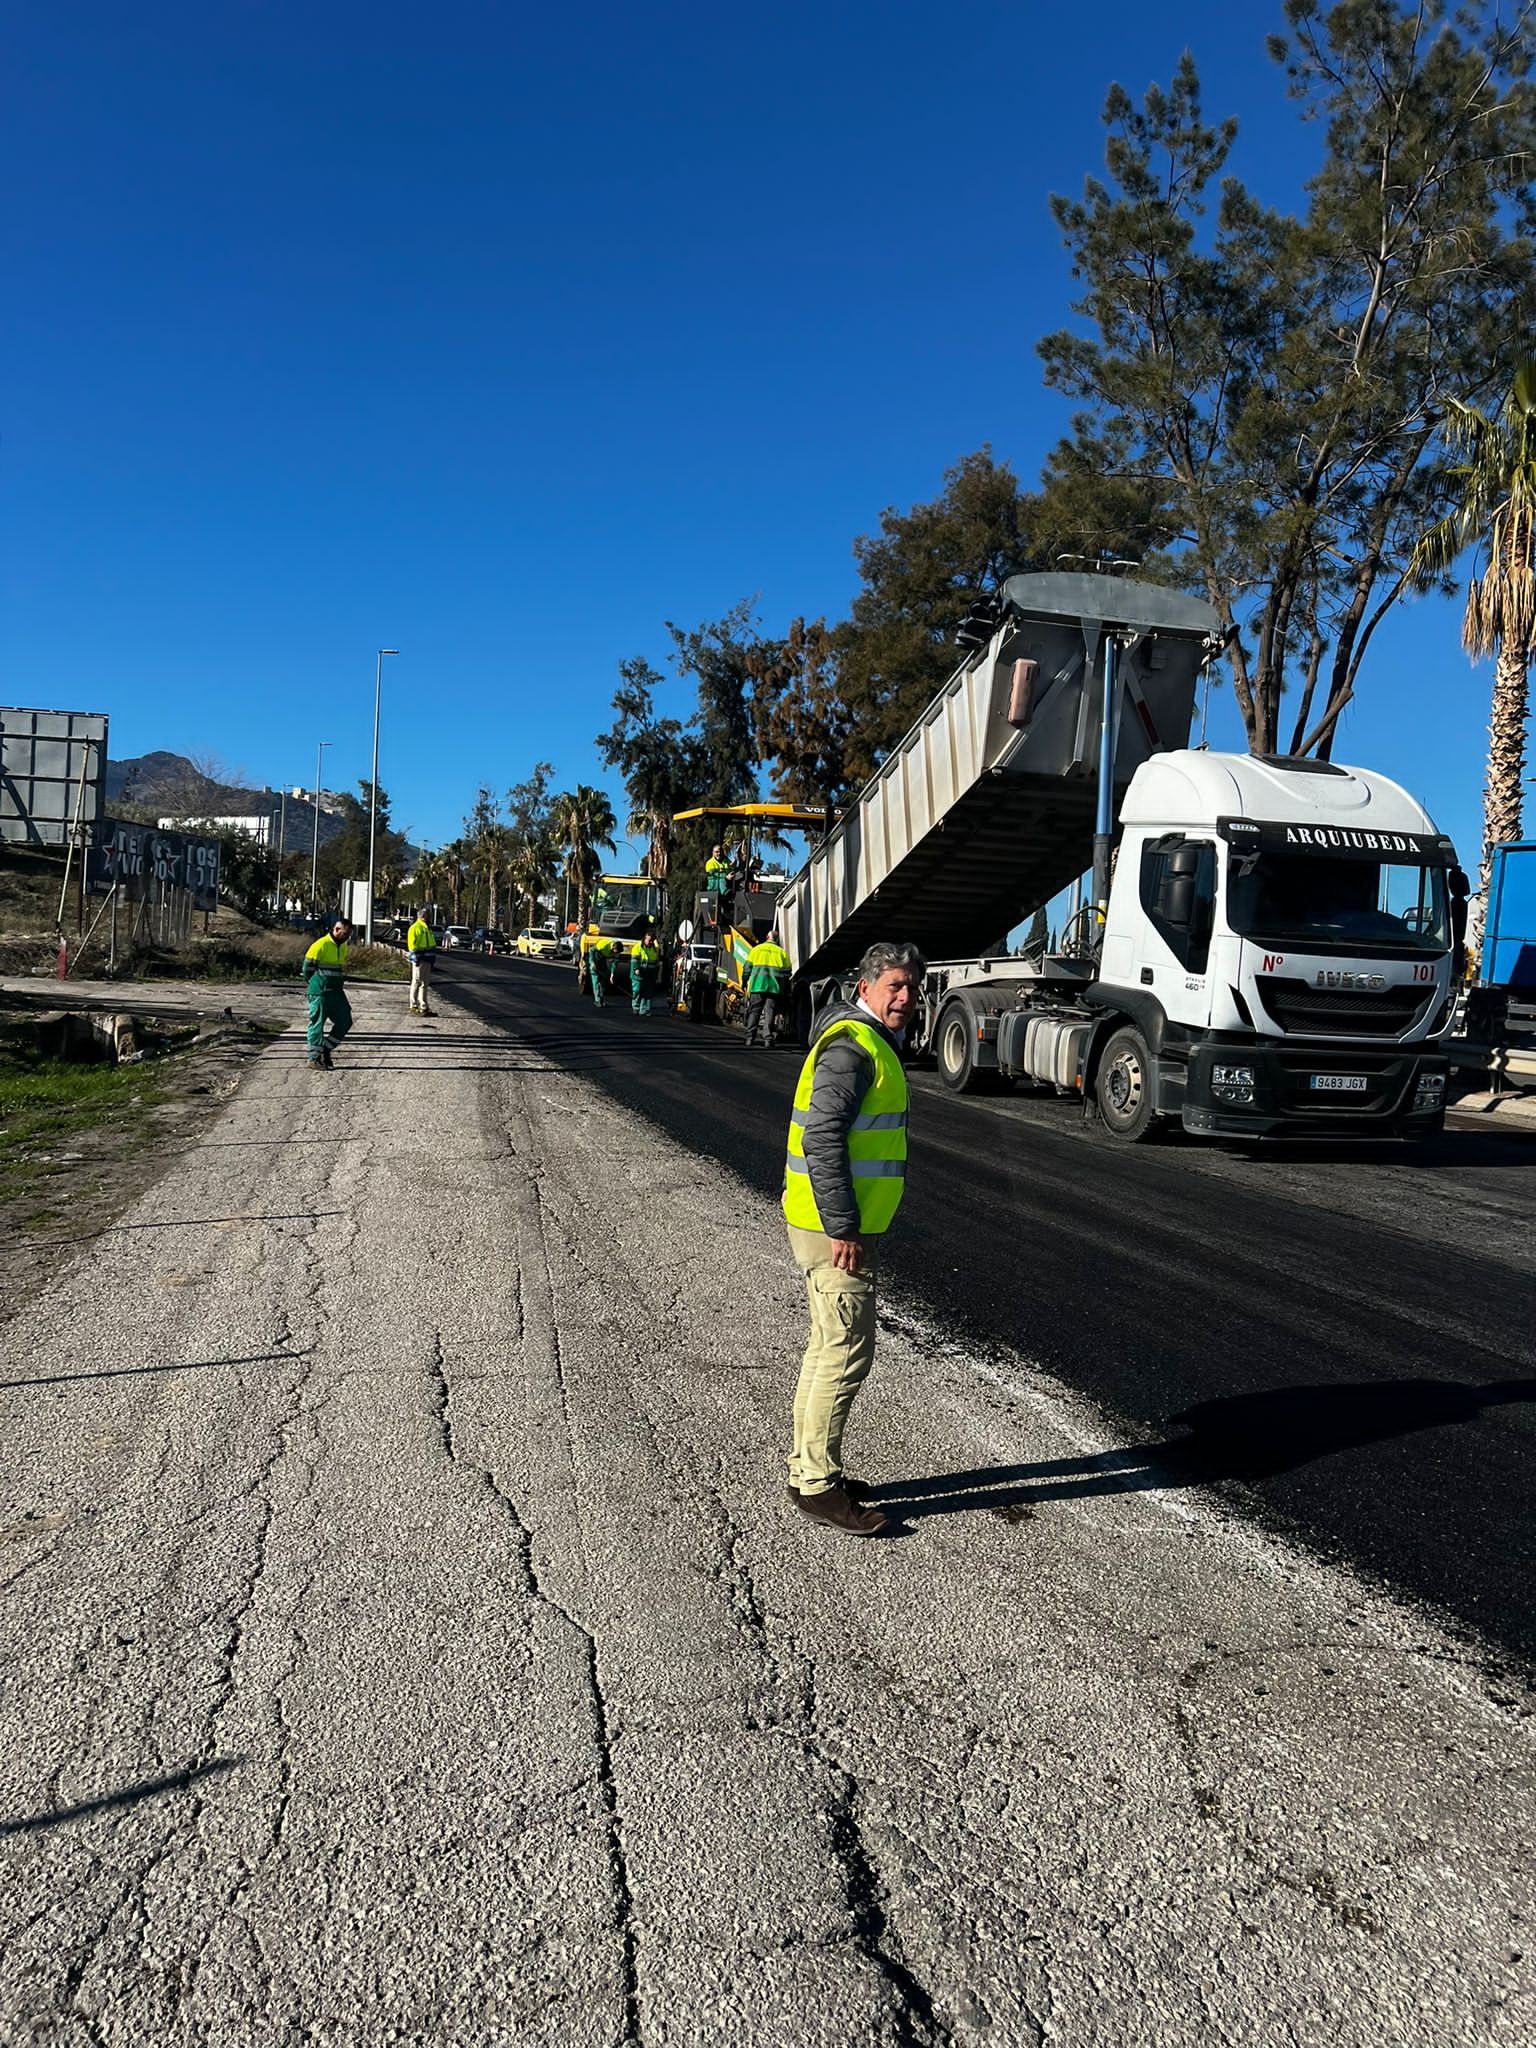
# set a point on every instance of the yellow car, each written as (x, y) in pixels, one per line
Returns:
(538, 941)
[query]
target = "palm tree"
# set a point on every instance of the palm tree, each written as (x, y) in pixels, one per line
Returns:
(431, 877)
(1496, 510)
(532, 868)
(490, 852)
(585, 816)
(455, 859)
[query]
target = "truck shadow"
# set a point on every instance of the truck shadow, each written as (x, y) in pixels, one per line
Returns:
(1242, 1437)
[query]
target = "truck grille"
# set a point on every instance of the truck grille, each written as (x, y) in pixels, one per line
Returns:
(1356, 1012)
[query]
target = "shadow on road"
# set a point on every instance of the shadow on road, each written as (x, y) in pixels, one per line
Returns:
(1240, 1437)
(133, 1372)
(131, 1795)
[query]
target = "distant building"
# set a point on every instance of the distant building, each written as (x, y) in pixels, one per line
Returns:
(262, 827)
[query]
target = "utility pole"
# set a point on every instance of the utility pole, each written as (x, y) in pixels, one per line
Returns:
(373, 787)
(282, 840)
(314, 859)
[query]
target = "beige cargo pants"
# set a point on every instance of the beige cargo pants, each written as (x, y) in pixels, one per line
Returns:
(837, 1358)
(421, 982)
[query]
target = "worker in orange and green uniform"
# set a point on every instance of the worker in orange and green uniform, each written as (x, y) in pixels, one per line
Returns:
(767, 986)
(644, 970)
(599, 966)
(843, 1181)
(325, 968)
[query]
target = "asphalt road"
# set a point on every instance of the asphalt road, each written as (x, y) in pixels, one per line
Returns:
(1344, 1341)
(405, 1635)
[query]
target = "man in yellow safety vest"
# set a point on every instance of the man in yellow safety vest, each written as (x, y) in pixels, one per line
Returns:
(421, 944)
(767, 985)
(325, 970)
(844, 1175)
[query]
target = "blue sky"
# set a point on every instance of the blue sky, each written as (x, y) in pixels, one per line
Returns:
(503, 336)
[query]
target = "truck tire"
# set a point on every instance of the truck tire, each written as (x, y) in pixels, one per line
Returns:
(955, 1050)
(1124, 1086)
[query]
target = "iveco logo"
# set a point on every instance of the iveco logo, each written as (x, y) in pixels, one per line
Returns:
(1327, 978)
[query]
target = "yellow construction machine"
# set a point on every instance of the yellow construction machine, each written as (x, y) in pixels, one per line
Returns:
(709, 969)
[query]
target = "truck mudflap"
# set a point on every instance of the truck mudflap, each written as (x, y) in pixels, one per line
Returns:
(1259, 1089)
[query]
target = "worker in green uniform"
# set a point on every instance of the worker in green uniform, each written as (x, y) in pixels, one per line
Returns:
(767, 985)
(421, 944)
(644, 970)
(325, 968)
(599, 966)
(717, 873)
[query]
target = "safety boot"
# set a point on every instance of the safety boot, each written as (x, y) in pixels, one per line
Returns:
(837, 1508)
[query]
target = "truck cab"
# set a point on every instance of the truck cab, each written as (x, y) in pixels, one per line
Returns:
(1278, 939)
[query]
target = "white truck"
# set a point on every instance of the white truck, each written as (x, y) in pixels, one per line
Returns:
(1270, 943)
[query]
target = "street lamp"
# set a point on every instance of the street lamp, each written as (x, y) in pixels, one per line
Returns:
(373, 787)
(314, 859)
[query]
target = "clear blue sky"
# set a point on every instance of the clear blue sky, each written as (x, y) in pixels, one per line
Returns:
(501, 335)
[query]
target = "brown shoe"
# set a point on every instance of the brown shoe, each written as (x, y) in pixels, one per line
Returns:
(854, 1488)
(838, 1510)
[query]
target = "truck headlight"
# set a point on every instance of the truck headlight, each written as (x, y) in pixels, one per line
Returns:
(1231, 1077)
(1430, 1091)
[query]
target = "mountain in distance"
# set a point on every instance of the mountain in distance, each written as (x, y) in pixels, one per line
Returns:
(171, 786)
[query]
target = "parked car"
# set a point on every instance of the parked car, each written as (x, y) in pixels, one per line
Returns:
(494, 940)
(538, 941)
(458, 938)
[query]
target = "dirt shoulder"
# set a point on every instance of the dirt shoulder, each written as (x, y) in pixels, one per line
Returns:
(81, 1140)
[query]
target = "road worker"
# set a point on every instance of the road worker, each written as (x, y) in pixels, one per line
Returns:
(599, 966)
(767, 986)
(421, 944)
(325, 968)
(843, 1181)
(644, 971)
(717, 873)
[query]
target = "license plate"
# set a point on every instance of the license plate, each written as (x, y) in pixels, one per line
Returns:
(1342, 1084)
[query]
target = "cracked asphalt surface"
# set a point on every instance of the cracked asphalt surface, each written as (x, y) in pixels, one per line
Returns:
(406, 1638)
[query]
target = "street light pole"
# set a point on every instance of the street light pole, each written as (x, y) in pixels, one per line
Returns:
(373, 787)
(282, 840)
(314, 859)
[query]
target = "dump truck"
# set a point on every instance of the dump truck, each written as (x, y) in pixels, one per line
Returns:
(1268, 946)
(621, 908)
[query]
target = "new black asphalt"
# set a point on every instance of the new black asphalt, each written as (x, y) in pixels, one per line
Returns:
(1340, 1341)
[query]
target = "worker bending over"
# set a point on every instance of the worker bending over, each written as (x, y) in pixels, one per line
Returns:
(599, 963)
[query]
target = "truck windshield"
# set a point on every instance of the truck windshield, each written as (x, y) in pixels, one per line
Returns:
(614, 894)
(1338, 904)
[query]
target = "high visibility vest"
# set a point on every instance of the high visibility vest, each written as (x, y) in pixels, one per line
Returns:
(768, 967)
(419, 938)
(716, 874)
(877, 1143)
(326, 957)
(643, 957)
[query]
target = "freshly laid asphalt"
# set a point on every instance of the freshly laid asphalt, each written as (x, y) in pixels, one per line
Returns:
(1343, 1339)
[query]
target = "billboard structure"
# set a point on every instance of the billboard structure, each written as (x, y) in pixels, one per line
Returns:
(52, 774)
(161, 876)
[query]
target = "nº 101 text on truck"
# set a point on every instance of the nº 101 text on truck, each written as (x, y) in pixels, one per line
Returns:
(1271, 943)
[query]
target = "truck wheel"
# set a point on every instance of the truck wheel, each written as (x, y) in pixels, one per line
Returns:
(1124, 1085)
(957, 1051)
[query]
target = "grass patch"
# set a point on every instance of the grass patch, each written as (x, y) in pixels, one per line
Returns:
(45, 1103)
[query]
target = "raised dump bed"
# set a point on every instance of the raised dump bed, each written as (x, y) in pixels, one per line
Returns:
(986, 809)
